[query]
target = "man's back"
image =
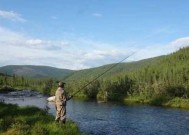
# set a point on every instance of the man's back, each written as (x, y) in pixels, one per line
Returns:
(60, 97)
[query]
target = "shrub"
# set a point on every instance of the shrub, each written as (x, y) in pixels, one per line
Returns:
(177, 91)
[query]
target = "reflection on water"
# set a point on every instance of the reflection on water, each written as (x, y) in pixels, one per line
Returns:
(116, 119)
(24, 98)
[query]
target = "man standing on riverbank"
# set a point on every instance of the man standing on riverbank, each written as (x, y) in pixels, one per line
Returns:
(60, 103)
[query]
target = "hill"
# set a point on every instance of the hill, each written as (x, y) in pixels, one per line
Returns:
(120, 68)
(162, 80)
(35, 71)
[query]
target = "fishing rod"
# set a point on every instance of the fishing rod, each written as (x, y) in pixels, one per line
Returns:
(113, 66)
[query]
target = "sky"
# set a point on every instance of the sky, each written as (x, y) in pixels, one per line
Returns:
(80, 34)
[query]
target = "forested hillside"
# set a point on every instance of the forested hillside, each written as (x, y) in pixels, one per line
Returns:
(35, 71)
(163, 80)
(120, 68)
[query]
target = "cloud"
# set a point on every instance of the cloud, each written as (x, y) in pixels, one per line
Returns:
(179, 43)
(34, 42)
(97, 15)
(160, 49)
(149, 52)
(64, 43)
(22, 49)
(10, 15)
(73, 53)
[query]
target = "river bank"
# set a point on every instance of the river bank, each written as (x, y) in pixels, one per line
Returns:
(31, 121)
(96, 118)
(171, 102)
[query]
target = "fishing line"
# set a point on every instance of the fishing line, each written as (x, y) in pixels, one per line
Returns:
(113, 66)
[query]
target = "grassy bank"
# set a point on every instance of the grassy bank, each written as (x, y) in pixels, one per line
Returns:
(16, 120)
(176, 102)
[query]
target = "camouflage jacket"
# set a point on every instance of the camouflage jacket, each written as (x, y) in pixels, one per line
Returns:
(60, 97)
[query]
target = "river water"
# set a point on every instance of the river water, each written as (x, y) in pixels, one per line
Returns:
(114, 118)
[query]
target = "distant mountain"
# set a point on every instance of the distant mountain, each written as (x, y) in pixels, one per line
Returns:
(35, 71)
(119, 69)
(46, 71)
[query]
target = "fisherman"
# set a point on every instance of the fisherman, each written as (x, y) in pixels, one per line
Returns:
(60, 103)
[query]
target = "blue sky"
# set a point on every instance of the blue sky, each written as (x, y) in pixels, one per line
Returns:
(78, 34)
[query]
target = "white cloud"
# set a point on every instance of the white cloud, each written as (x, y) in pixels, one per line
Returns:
(97, 14)
(160, 49)
(77, 53)
(179, 43)
(64, 54)
(34, 42)
(96, 55)
(10, 15)
(8, 35)
(64, 43)
(149, 52)
(21, 49)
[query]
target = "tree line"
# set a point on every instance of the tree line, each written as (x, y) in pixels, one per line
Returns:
(167, 77)
(44, 85)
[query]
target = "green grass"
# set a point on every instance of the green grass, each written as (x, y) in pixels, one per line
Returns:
(136, 99)
(16, 120)
(176, 102)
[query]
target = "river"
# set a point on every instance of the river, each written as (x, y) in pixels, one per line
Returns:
(113, 118)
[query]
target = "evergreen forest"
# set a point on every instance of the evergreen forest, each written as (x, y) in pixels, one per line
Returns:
(162, 80)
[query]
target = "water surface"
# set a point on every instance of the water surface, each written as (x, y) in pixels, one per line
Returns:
(115, 118)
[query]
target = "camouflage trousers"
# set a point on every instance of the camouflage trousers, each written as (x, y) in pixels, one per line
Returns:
(60, 114)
